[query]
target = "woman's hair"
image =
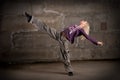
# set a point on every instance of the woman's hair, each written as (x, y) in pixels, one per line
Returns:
(86, 29)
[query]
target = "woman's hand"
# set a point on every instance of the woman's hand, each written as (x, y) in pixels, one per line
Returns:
(100, 43)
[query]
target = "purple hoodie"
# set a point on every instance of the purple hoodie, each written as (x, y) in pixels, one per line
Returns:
(74, 31)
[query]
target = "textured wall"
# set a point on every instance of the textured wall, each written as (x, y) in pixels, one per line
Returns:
(19, 41)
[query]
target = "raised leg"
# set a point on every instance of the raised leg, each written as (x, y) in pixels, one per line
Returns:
(40, 25)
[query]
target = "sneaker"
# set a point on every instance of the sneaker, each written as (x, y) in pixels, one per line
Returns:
(29, 17)
(70, 73)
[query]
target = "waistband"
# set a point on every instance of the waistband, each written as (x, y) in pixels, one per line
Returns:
(64, 35)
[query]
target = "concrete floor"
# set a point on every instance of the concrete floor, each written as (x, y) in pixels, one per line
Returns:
(84, 70)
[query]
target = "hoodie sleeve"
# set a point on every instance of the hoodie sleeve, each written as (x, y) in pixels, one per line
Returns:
(88, 37)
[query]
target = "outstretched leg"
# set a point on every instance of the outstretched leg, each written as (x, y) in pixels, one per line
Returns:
(42, 26)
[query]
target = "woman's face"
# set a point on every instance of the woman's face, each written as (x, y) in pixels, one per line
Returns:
(83, 23)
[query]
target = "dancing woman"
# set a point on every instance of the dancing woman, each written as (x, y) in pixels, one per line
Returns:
(65, 36)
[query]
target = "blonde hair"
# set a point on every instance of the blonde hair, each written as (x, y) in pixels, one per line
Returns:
(86, 29)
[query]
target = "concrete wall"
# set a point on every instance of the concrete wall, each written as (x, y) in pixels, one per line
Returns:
(19, 41)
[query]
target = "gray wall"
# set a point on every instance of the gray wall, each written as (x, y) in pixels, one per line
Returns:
(19, 41)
